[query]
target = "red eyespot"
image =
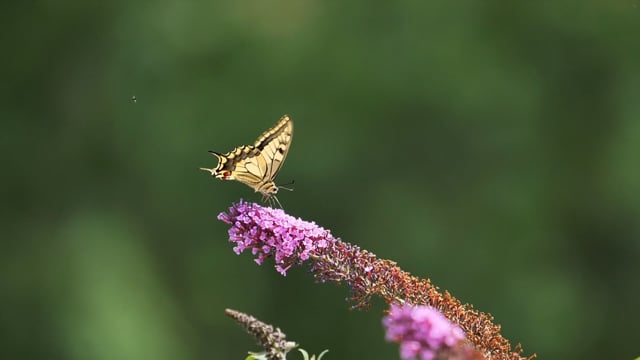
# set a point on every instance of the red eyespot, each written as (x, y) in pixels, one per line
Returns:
(226, 174)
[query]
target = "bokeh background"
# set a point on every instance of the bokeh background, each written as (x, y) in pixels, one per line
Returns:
(490, 146)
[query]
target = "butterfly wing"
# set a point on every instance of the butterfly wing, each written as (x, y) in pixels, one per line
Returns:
(238, 165)
(273, 145)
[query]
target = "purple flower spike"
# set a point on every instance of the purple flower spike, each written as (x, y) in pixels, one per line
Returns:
(422, 331)
(270, 232)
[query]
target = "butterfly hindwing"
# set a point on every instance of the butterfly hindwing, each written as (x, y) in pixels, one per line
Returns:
(228, 163)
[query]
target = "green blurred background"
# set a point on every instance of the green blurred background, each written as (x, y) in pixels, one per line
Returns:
(490, 146)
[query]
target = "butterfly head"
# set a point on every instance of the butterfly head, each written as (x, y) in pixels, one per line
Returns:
(267, 189)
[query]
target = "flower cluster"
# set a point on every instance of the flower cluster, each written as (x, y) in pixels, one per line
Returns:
(271, 232)
(422, 331)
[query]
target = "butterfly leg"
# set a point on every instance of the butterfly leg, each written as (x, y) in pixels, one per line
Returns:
(277, 201)
(267, 200)
(271, 200)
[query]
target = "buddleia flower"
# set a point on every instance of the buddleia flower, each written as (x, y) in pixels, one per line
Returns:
(290, 241)
(422, 332)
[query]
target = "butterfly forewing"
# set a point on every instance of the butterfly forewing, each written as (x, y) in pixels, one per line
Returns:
(257, 165)
(274, 146)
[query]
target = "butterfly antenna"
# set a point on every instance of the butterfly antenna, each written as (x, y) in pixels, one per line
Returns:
(287, 188)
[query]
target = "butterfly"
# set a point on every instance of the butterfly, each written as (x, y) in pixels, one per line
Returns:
(257, 165)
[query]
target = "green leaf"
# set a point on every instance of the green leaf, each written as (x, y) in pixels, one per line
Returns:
(305, 355)
(257, 356)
